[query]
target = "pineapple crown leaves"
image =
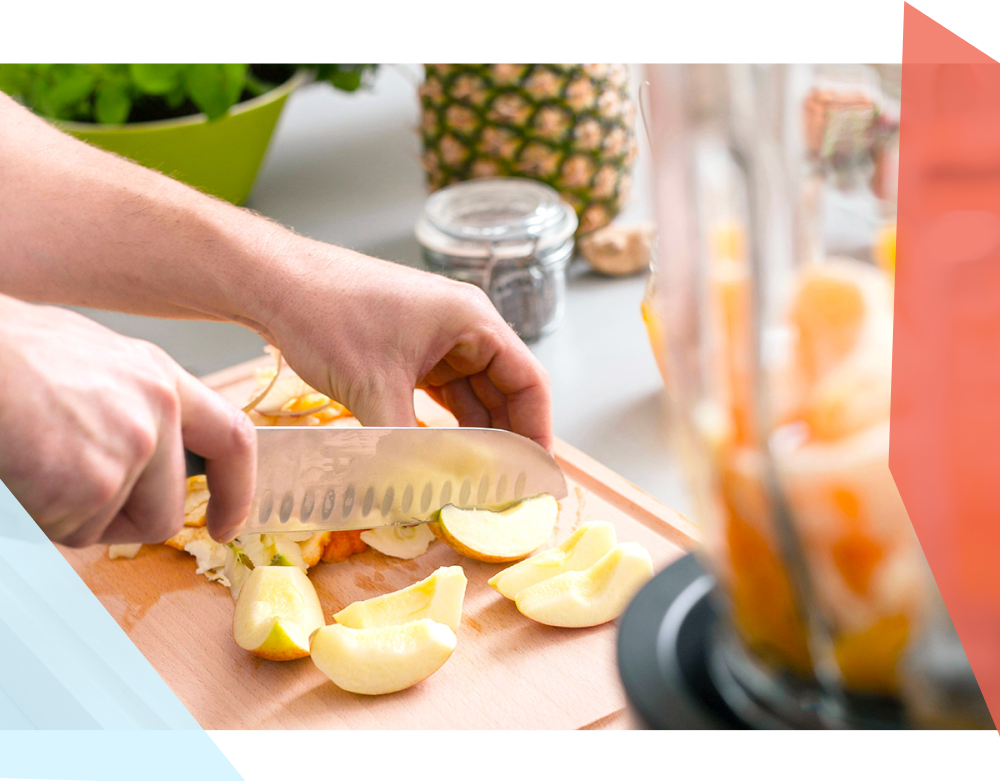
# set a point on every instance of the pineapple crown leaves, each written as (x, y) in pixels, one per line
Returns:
(114, 94)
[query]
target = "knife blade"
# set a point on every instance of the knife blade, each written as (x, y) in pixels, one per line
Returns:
(323, 479)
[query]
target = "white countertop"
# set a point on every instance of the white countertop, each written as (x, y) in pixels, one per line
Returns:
(344, 168)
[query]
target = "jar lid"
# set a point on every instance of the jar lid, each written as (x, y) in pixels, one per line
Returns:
(502, 218)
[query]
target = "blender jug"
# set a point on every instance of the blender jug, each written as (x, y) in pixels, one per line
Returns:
(777, 317)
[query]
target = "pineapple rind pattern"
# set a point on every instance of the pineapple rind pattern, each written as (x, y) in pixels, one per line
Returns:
(569, 126)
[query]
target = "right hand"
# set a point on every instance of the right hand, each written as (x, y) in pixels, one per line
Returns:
(94, 426)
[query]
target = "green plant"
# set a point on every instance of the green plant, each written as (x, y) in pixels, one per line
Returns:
(116, 94)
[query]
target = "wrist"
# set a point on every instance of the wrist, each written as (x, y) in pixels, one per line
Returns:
(255, 255)
(288, 272)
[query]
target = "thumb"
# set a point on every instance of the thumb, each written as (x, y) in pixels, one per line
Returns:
(392, 407)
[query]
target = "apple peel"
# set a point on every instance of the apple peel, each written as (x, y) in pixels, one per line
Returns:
(498, 536)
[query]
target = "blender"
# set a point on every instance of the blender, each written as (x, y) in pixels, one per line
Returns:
(809, 603)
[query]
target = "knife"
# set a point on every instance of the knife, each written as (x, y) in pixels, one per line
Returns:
(322, 479)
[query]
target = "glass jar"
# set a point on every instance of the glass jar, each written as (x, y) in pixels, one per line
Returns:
(511, 237)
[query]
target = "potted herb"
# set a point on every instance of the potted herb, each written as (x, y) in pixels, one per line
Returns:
(207, 125)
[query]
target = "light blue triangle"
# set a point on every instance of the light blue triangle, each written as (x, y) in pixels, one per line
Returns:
(113, 755)
(66, 665)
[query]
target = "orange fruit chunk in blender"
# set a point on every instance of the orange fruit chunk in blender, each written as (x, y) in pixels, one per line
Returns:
(828, 314)
(856, 556)
(869, 659)
(763, 604)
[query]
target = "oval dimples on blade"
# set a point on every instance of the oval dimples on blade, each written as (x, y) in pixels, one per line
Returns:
(308, 504)
(266, 505)
(329, 503)
(285, 510)
(519, 486)
(367, 502)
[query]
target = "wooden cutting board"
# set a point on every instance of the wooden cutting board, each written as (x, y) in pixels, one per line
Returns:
(507, 671)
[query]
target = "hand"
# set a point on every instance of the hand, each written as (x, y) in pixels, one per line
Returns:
(367, 332)
(94, 425)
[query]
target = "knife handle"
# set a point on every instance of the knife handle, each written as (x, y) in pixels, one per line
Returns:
(193, 463)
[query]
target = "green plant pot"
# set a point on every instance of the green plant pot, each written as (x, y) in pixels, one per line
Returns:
(221, 157)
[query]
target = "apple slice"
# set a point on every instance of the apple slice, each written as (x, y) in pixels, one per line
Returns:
(276, 612)
(578, 551)
(498, 535)
(438, 597)
(381, 660)
(124, 550)
(591, 596)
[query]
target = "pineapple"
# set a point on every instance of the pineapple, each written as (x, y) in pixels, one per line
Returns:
(569, 126)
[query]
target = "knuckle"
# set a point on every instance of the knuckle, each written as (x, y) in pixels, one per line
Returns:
(473, 297)
(166, 399)
(153, 352)
(100, 489)
(543, 375)
(242, 432)
(142, 441)
(81, 537)
(165, 527)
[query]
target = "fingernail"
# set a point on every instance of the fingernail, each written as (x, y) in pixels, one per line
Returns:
(230, 535)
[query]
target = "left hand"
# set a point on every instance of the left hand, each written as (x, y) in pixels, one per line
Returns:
(367, 332)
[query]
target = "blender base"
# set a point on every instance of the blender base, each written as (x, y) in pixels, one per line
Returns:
(681, 671)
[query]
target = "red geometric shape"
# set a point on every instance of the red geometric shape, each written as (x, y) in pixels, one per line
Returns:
(945, 430)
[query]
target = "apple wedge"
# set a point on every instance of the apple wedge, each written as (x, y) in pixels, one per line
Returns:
(577, 552)
(438, 597)
(381, 660)
(276, 612)
(592, 596)
(498, 535)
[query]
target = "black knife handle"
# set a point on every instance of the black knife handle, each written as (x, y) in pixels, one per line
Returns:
(193, 463)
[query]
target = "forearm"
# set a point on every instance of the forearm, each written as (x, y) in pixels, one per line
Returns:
(80, 226)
